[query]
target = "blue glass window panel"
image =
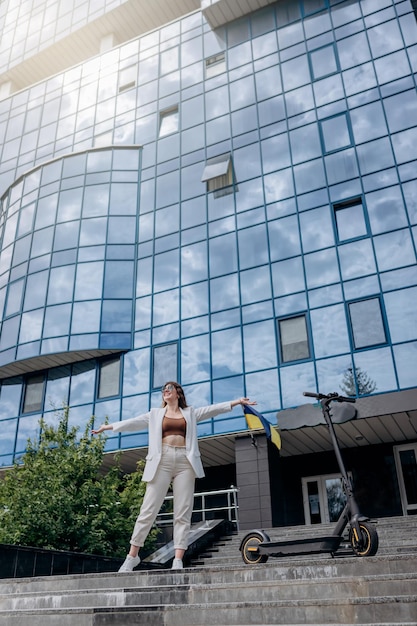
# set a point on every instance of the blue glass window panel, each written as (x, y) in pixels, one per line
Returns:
(35, 293)
(99, 160)
(82, 382)
(8, 434)
(335, 133)
(386, 210)
(385, 38)
(321, 268)
(61, 284)
(305, 143)
(25, 219)
(375, 156)
(332, 373)
(405, 145)
(394, 250)
(57, 387)
(395, 279)
(167, 189)
(86, 317)
(116, 316)
(401, 110)
(293, 33)
(275, 153)
(223, 255)
(9, 231)
(218, 129)
(9, 332)
(31, 326)
(143, 313)
(194, 326)
(118, 279)
(74, 165)
(226, 352)
(299, 100)
(217, 102)
(405, 356)
(261, 310)
(193, 212)
(272, 110)
(359, 79)
(279, 185)
(224, 292)
(163, 313)
(192, 139)
(284, 239)
(367, 323)
(253, 246)
(21, 250)
(225, 319)
(247, 162)
(57, 320)
(166, 270)
(368, 122)
(323, 62)
(244, 120)
(164, 366)
(267, 380)
(378, 366)
(392, 67)
(341, 166)
(42, 241)
(316, 229)
(14, 297)
(309, 176)
(168, 147)
(353, 50)
(194, 300)
(136, 372)
(255, 285)
(356, 259)
(89, 280)
(361, 287)
(260, 346)
(194, 263)
(52, 171)
(242, 93)
(69, 204)
(166, 333)
(295, 73)
(325, 295)
(144, 277)
(287, 277)
(96, 200)
(192, 112)
(123, 199)
(28, 428)
(122, 230)
(400, 308)
(10, 395)
(268, 83)
(250, 195)
(328, 90)
(191, 184)
(93, 231)
(147, 196)
(66, 235)
(294, 380)
(410, 196)
(350, 221)
(195, 359)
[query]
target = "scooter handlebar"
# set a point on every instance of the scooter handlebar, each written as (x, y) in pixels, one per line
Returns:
(330, 396)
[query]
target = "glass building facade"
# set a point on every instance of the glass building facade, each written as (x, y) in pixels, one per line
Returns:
(230, 205)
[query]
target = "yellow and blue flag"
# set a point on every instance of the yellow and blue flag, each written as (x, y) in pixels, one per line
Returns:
(255, 421)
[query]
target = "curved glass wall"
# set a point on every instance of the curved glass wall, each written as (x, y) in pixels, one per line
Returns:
(67, 265)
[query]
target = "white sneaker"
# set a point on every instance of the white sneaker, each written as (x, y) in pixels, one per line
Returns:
(177, 564)
(130, 563)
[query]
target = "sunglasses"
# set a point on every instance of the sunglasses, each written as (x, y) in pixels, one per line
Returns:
(168, 388)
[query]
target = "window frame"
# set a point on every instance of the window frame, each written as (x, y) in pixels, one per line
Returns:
(346, 204)
(165, 114)
(38, 379)
(349, 130)
(108, 361)
(351, 327)
(287, 318)
(218, 175)
(215, 65)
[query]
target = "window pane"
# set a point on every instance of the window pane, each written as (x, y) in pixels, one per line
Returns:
(350, 221)
(164, 364)
(335, 133)
(367, 324)
(109, 376)
(294, 339)
(323, 62)
(33, 394)
(168, 122)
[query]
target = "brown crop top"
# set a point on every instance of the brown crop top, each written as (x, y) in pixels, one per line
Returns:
(174, 426)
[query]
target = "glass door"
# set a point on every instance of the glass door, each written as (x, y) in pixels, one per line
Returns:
(406, 462)
(323, 498)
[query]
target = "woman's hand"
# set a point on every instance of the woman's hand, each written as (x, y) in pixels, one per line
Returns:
(243, 401)
(101, 429)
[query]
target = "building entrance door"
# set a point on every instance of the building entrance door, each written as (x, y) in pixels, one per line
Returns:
(406, 462)
(323, 498)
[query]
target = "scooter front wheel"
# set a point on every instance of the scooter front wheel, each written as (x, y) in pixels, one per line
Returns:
(250, 549)
(367, 542)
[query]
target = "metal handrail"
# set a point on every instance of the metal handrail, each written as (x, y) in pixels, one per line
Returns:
(231, 507)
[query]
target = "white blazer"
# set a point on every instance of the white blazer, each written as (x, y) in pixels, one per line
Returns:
(153, 422)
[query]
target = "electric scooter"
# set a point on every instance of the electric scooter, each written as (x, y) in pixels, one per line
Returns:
(257, 547)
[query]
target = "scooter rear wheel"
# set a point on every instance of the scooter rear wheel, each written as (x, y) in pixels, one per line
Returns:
(249, 549)
(367, 543)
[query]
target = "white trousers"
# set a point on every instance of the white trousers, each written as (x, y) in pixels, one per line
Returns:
(176, 468)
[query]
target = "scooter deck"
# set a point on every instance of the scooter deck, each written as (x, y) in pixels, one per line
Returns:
(328, 543)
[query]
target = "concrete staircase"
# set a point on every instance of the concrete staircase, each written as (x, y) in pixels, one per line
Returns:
(223, 591)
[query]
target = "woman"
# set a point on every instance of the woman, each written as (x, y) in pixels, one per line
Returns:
(173, 456)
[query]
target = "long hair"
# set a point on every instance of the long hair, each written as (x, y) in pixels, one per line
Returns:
(182, 402)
